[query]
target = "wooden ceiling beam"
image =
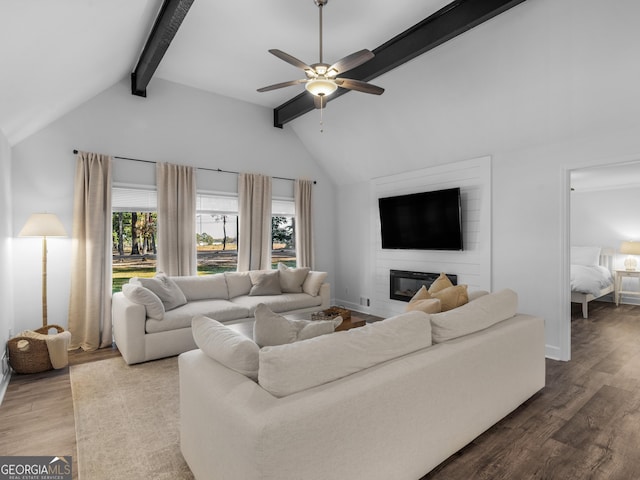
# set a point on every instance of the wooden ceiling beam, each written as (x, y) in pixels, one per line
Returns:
(447, 23)
(166, 26)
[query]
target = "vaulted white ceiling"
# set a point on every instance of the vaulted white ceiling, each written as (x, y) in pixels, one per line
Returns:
(54, 55)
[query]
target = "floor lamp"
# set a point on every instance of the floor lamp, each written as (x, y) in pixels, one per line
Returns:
(43, 225)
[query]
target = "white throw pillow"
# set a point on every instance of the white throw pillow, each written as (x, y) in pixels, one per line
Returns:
(238, 283)
(143, 296)
(290, 368)
(165, 288)
(585, 255)
(292, 279)
(203, 287)
(271, 328)
(313, 282)
(226, 346)
(265, 282)
(475, 316)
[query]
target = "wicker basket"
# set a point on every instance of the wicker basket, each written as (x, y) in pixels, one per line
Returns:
(30, 355)
(331, 313)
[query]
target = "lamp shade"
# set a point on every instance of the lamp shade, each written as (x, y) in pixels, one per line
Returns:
(630, 248)
(43, 225)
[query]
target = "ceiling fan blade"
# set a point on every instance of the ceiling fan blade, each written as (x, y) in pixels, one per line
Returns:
(275, 86)
(352, 61)
(359, 86)
(290, 59)
(319, 101)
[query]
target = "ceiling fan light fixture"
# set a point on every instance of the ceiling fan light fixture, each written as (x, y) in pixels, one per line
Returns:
(321, 87)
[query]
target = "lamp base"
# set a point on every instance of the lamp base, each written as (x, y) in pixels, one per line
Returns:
(630, 264)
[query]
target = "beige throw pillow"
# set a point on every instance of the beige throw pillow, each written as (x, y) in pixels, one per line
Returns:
(423, 302)
(313, 282)
(271, 328)
(291, 279)
(165, 288)
(265, 283)
(447, 298)
(440, 283)
(143, 296)
(226, 346)
(452, 297)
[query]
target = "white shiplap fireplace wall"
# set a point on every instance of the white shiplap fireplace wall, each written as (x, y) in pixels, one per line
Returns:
(472, 265)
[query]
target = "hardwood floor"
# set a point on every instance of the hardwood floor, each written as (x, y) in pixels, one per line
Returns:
(585, 424)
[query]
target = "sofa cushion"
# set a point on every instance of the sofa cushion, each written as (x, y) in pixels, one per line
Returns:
(203, 287)
(265, 282)
(293, 367)
(226, 346)
(220, 310)
(165, 288)
(285, 302)
(238, 283)
(143, 296)
(271, 328)
(292, 279)
(472, 317)
(313, 282)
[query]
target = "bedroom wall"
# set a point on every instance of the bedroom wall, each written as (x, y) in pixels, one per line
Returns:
(606, 218)
(6, 297)
(174, 123)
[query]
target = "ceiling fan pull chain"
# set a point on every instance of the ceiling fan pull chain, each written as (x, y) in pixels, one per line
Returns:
(321, 121)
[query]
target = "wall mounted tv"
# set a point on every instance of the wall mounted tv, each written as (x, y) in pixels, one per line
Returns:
(422, 221)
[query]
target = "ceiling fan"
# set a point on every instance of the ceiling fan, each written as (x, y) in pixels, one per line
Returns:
(321, 78)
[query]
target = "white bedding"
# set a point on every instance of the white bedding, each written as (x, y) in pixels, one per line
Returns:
(590, 279)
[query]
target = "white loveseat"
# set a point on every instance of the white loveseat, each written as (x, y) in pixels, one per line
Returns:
(145, 330)
(376, 402)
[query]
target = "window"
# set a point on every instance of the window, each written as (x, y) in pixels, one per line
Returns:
(283, 239)
(134, 221)
(216, 233)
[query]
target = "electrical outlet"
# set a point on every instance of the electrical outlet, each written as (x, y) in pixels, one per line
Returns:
(365, 302)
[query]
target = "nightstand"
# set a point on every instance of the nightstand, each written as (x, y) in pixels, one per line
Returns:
(621, 274)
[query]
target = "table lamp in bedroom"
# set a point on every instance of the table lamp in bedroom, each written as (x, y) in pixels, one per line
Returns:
(631, 249)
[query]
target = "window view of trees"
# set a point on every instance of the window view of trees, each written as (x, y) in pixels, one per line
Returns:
(135, 240)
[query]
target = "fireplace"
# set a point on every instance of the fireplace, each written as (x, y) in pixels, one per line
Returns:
(403, 285)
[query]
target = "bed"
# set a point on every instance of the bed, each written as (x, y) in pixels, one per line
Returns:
(591, 274)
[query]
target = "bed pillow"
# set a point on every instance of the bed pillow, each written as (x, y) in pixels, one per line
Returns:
(165, 288)
(226, 346)
(292, 279)
(265, 283)
(143, 296)
(585, 255)
(475, 316)
(271, 329)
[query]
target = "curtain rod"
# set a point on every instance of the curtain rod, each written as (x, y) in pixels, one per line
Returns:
(217, 170)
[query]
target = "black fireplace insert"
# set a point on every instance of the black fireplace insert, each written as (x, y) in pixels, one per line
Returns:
(403, 285)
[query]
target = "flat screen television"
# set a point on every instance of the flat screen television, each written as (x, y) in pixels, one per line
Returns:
(422, 221)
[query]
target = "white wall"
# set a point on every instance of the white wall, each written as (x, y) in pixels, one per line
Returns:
(175, 124)
(6, 284)
(606, 218)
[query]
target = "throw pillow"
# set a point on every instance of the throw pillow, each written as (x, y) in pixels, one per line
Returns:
(144, 296)
(452, 297)
(165, 288)
(472, 317)
(291, 279)
(238, 283)
(226, 346)
(271, 328)
(265, 283)
(440, 283)
(313, 282)
(424, 302)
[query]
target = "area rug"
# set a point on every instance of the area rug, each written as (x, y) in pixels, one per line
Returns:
(127, 420)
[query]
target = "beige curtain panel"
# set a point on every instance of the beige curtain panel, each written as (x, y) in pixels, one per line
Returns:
(304, 223)
(176, 219)
(90, 300)
(254, 222)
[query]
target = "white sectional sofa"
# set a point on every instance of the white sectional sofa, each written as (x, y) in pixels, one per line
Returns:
(376, 402)
(147, 327)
